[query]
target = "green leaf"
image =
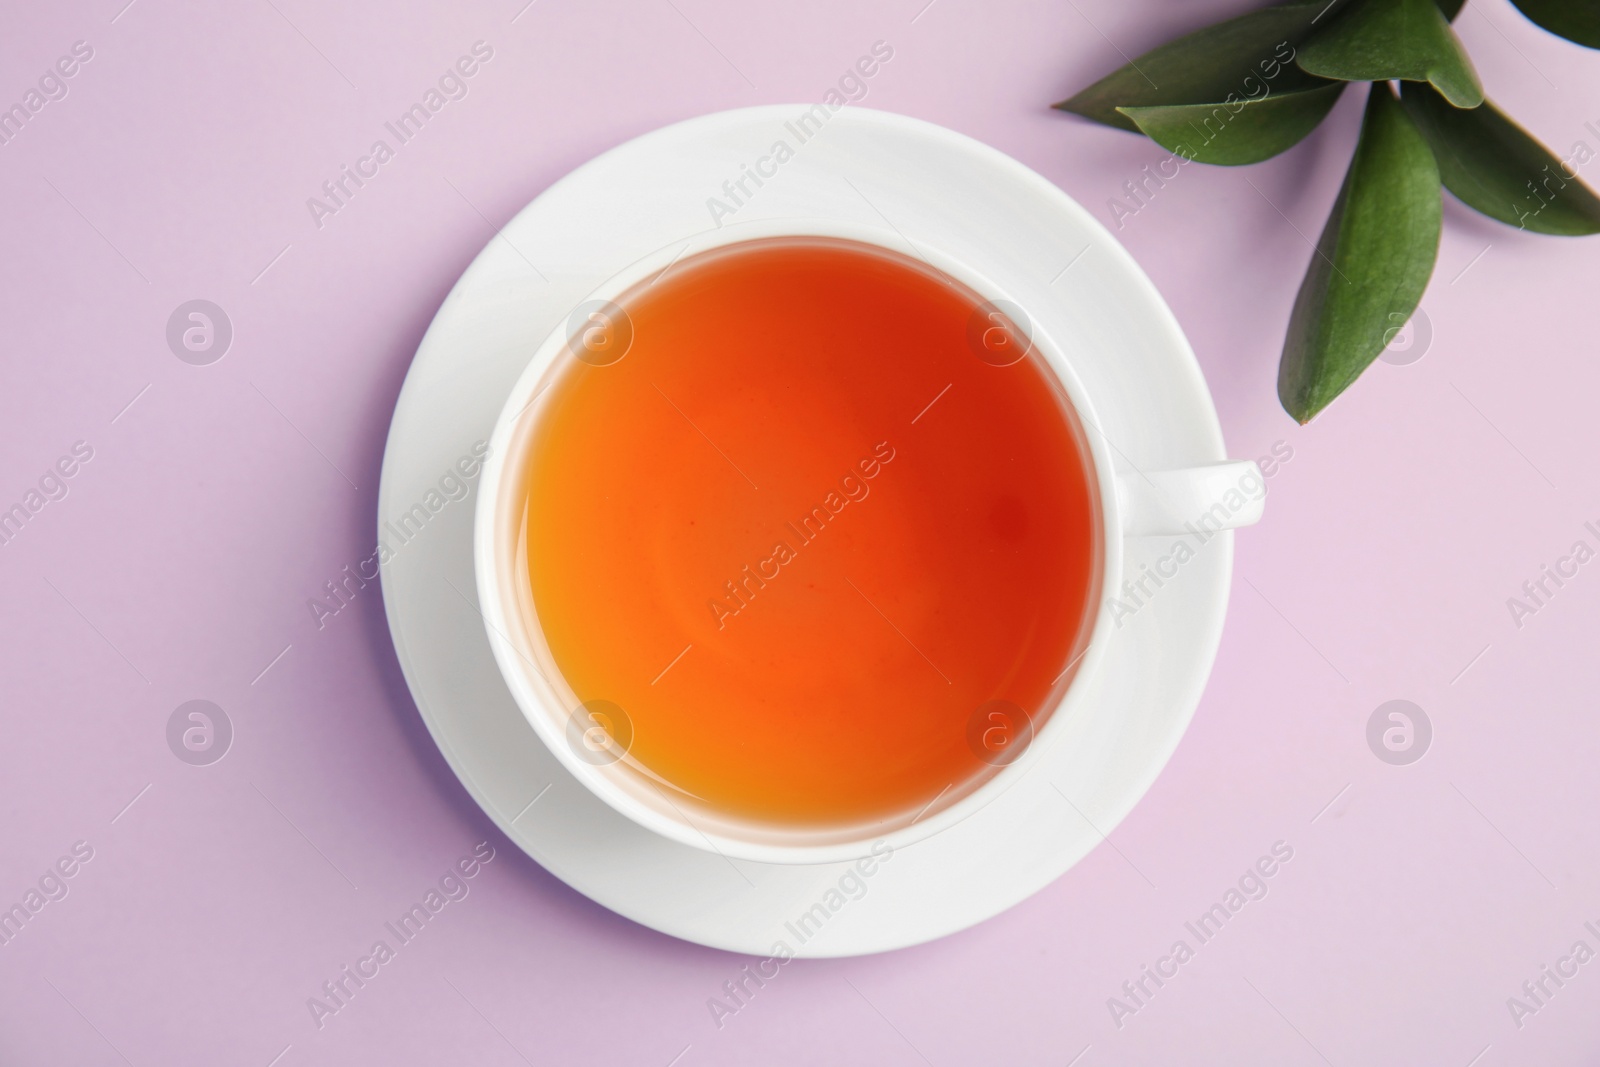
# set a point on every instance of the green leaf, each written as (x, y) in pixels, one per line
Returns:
(1205, 66)
(1451, 8)
(1576, 20)
(1376, 40)
(1496, 166)
(1371, 264)
(1244, 131)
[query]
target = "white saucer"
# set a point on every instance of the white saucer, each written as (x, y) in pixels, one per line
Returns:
(937, 189)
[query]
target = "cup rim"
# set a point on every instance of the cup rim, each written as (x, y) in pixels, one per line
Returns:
(548, 715)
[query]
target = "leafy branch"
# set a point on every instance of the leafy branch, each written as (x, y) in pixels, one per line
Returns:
(1246, 89)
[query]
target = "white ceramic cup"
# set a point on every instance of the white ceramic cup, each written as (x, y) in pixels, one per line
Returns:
(1130, 504)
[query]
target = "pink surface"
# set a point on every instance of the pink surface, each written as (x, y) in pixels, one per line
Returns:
(179, 563)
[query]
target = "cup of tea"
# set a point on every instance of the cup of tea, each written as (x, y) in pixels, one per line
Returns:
(803, 538)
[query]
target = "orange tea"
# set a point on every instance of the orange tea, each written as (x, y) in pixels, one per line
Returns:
(807, 535)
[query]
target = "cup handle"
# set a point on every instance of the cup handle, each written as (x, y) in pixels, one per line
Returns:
(1212, 497)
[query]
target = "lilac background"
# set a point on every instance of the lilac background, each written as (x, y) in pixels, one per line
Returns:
(1419, 897)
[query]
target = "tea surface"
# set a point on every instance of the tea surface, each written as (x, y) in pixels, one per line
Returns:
(802, 535)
